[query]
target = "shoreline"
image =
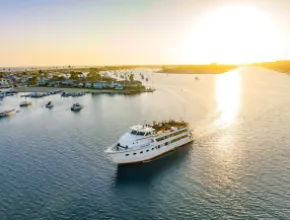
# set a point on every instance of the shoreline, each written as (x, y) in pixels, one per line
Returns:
(50, 89)
(180, 73)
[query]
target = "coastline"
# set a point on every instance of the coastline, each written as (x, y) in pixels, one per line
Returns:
(187, 73)
(50, 89)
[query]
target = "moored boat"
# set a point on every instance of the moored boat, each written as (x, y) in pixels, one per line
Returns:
(146, 142)
(6, 113)
(25, 103)
(76, 107)
(49, 105)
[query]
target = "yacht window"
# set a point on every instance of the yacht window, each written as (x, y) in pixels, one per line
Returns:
(127, 154)
(141, 152)
(147, 150)
(152, 149)
(134, 132)
(141, 133)
(134, 153)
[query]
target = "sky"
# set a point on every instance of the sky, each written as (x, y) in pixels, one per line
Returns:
(124, 32)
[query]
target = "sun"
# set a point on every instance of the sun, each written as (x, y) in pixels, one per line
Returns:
(233, 35)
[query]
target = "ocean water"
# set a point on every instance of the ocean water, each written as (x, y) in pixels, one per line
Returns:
(53, 166)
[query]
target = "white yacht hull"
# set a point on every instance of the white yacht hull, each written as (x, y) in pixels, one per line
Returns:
(148, 153)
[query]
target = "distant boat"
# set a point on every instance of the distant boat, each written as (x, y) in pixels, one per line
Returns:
(196, 78)
(25, 103)
(76, 107)
(49, 105)
(6, 113)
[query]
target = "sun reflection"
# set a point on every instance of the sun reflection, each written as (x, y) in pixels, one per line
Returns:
(227, 93)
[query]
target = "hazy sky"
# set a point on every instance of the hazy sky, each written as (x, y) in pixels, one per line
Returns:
(110, 32)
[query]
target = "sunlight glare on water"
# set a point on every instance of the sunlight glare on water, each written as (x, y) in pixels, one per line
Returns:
(227, 96)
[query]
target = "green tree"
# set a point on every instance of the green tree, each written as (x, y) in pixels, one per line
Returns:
(131, 77)
(93, 75)
(74, 75)
(33, 80)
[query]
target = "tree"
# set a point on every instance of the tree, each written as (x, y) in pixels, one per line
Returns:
(93, 75)
(33, 80)
(131, 77)
(74, 75)
(35, 73)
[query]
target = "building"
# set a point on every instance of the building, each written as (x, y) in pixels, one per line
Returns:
(4, 82)
(119, 86)
(88, 85)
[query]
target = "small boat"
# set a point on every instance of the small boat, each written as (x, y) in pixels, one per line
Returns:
(6, 113)
(76, 107)
(49, 105)
(25, 103)
(196, 78)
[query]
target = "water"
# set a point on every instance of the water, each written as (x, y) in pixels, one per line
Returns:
(53, 166)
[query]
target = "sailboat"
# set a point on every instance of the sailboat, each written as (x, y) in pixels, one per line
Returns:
(25, 103)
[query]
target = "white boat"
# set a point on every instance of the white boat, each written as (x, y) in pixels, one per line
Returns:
(25, 103)
(146, 142)
(76, 107)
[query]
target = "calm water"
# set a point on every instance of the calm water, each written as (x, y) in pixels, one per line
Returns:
(53, 166)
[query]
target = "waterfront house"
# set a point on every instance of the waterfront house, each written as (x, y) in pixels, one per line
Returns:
(43, 81)
(81, 85)
(70, 82)
(88, 84)
(98, 85)
(119, 86)
(104, 84)
(4, 82)
(112, 84)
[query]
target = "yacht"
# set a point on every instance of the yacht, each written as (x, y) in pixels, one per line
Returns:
(143, 143)
(76, 107)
